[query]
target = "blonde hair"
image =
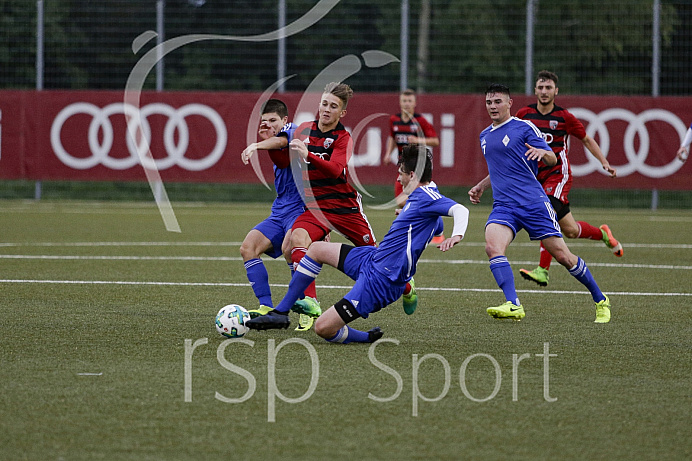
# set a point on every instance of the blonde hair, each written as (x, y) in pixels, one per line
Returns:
(341, 91)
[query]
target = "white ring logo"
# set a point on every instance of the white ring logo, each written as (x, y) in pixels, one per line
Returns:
(176, 122)
(637, 126)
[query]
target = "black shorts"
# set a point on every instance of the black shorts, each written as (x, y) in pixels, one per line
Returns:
(561, 209)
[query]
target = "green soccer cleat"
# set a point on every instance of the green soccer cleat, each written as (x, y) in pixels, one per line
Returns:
(261, 311)
(507, 310)
(411, 299)
(609, 240)
(308, 306)
(538, 275)
(304, 323)
(603, 311)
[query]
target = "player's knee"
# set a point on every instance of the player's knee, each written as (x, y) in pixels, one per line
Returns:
(323, 329)
(570, 232)
(247, 251)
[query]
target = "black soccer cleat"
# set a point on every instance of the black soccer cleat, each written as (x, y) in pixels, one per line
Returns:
(374, 334)
(272, 320)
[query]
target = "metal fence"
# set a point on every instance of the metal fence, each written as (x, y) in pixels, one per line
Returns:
(458, 46)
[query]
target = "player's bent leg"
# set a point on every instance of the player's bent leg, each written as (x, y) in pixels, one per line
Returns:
(254, 244)
(332, 325)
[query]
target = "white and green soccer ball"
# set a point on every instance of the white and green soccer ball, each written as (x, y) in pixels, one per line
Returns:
(230, 321)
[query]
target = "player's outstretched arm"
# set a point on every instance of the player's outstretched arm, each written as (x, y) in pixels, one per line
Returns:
(391, 145)
(595, 149)
(461, 221)
(684, 150)
(535, 153)
(269, 142)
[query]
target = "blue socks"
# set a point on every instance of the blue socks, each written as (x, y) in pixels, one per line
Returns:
(504, 277)
(350, 335)
(306, 272)
(583, 274)
(259, 281)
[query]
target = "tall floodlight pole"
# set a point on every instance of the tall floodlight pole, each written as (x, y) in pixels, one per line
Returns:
(160, 29)
(403, 77)
(39, 70)
(656, 40)
(528, 64)
(281, 61)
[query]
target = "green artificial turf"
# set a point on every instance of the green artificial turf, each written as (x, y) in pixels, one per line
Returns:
(100, 307)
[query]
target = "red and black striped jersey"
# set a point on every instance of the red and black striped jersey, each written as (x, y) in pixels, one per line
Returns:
(417, 126)
(327, 169)
(557, 126)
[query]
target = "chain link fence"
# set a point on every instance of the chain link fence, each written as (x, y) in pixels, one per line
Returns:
(455, 46)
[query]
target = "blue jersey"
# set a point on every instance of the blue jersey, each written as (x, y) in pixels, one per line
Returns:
(287, 195)
(411, 231)
(512, 176)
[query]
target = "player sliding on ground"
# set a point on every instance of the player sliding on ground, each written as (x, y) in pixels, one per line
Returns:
(381, 273)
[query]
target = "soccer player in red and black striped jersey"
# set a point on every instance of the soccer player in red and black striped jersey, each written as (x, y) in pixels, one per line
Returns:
(331, 202)
(408, 127)
(557, 125)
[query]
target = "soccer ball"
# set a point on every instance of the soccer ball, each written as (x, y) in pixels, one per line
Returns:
(230, 321)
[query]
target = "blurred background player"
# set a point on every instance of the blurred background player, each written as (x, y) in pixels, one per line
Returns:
(381, 274)
(684, 150)
(331, 203)
(557, 125)
(271, 235)
(512, 148)
(408, 127)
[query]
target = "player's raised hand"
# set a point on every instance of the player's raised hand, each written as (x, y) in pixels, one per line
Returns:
(447, 244)
(299, 146)
(249, 151)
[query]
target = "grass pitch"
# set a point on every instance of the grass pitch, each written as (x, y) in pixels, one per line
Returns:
(108, 349)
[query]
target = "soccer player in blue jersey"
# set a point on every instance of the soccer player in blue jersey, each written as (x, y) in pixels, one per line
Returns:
(272, 235)
(380, 273)
(512, 148)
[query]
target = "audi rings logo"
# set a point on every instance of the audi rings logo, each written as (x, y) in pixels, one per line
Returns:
(101, 149)
(596, 124)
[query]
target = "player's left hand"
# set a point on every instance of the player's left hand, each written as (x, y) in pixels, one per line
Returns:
(682, 154)
(299, 146)
(611, 171)
(449, 243)
(534, 153)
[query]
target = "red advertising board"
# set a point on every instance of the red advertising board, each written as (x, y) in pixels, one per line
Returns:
(198, 137)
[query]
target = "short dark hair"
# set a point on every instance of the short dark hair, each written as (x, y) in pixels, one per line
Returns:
(341, 91)
(275, 106)
(408, 92)
(498, 88)
(547, 75)
(411, 155)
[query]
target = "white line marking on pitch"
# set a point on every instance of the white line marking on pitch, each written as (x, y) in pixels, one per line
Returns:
(325, 287)
(236, 258)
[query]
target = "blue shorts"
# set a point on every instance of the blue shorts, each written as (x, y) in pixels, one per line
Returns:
(538, 219)
(275, 228)
(372, 290)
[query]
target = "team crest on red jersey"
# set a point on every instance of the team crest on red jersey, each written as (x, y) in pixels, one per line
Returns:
(553, 124)
(366, 238)
(328, 142)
